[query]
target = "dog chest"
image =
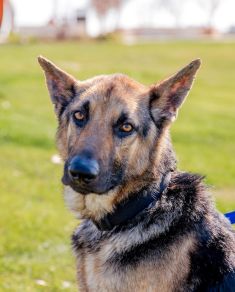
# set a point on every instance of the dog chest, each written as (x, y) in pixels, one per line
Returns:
(110, 267)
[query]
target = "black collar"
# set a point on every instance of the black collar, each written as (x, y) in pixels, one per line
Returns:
(132, 206)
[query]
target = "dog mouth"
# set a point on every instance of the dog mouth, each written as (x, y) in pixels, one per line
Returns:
(85, 190)
(102, 183)
(90, 186)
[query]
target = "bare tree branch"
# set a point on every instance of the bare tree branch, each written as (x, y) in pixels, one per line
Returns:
(210, 6)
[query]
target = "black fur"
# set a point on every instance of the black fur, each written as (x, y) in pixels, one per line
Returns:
(181, 228)
(184, 209)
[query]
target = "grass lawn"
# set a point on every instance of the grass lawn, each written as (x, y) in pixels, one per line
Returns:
(35, 226)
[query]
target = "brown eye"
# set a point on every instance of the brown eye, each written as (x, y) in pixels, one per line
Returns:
(79, 116)
(126, 128)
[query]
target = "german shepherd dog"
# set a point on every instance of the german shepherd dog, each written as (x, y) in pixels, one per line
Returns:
(145, 225)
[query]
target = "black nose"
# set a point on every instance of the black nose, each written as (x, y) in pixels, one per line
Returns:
(83, 168)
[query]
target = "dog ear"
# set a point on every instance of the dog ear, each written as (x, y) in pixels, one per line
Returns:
(62, 86)
(168, 95)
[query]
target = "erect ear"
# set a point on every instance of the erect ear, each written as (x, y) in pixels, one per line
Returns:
(61, 85)
(168, 95)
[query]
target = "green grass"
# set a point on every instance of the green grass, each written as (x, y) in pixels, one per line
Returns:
(35, 226)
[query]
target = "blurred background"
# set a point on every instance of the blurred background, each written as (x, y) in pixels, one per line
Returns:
(146, 39)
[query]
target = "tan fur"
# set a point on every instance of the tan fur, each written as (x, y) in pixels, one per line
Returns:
(81, 272)
(139, 157)
(94, 206)
(89, 206)
(161, 144)
(108, 97)
(168, 272)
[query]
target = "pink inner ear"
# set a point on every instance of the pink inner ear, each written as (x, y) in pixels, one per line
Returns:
(58, 85)
(179, 84)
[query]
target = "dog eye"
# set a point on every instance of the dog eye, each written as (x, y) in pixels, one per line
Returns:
(79, 116)
(127, 128)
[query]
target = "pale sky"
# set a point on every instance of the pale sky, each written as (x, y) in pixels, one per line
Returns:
(135, 13)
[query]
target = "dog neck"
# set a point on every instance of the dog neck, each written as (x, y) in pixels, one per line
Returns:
(132, 206)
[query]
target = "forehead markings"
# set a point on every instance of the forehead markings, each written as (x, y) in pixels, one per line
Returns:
(69, 131)
(111, 97)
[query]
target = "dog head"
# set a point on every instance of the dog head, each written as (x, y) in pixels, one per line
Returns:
(112, 132)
